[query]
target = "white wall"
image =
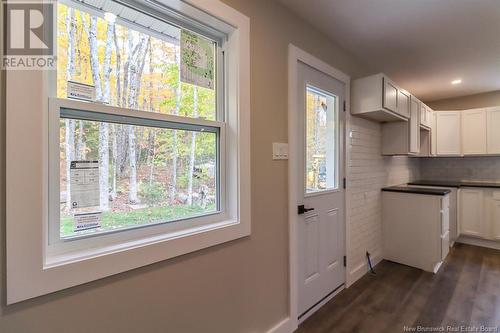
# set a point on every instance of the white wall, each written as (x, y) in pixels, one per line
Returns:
(369, 172)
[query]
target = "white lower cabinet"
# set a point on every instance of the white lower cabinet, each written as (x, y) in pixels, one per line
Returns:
(479, 214)
(495, 215)
(471, 211)
(415, 229)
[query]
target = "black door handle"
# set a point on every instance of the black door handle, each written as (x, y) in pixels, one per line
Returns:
(301, 209)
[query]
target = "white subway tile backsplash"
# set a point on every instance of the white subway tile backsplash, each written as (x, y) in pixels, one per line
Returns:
(466, 168)
(369, 172)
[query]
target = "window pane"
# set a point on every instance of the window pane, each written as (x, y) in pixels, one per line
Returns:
(136, 68)
(321, 141)
(126, 176)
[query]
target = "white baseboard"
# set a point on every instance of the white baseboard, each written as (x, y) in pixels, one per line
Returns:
(478, 242)
(284, 326)
(361, 269)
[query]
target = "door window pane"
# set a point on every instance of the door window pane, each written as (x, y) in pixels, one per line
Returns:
(117, 176)
(321, 148)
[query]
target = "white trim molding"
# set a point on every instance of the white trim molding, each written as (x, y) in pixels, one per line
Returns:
(27, 178)
(359, 271)
(295, 55)
(284, 326)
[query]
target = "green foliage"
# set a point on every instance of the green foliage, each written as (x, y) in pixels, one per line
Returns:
(111, 220)
(152, 193)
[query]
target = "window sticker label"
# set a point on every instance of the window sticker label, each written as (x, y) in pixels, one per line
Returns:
(197, 60)
(87, 221)
(81, 91)
(84, 184)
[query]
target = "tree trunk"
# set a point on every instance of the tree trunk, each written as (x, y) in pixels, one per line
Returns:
(104, 165)
(114, 160)
(178, 95)
(114, 133)
(135, 74)
(152, 154)
(80, 143)
(117, 68)
(107, 62)
(70, 69)
(69, 124)
(103, 127)
(152, 132)
(193, 149)
(132, 195)
(69, 147)
(94, 57)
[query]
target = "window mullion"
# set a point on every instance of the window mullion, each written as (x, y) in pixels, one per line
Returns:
(102, 111)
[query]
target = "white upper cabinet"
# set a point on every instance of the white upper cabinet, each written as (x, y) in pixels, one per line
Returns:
(378, 98)
(433, 134)
(448, 133)
(404, 103)
(474, 132)
(493, 130)
(425, 116)
(401, 137)
(414, 125)
(390, 95)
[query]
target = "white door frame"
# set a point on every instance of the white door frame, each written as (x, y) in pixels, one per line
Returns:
(294, 56)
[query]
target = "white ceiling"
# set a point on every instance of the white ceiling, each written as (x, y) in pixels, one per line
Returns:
(421, 44)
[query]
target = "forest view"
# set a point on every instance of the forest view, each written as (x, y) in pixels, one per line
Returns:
(146, 174)
(321, 141)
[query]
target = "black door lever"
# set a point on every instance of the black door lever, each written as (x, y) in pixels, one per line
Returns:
(301, 209)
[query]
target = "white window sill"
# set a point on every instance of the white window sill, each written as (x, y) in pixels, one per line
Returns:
(56, 260)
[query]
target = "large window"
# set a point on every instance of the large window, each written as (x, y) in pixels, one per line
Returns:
(119, 173)
(135, 149)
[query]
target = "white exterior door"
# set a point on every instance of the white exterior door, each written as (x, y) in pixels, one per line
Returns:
(321, 227)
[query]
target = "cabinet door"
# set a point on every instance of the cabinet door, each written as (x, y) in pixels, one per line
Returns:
(428, 117)
(471, 212)
(474, 132)
(433, 134)
(422, 114)
(495, 216)
(414, 124)
(390, 95)
(448, 141)
(492, 131)
(403, 104)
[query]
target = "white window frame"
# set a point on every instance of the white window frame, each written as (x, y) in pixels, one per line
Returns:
(33, 267)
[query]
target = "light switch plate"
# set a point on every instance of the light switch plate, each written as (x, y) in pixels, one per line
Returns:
(280, 151)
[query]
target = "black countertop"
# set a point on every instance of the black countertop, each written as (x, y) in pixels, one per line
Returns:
(416, 190)
(457, 184)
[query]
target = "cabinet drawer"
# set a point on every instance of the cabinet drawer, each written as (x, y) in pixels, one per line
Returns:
(445, 245)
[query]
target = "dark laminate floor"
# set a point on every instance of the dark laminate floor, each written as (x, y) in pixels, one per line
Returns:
(466, 291)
